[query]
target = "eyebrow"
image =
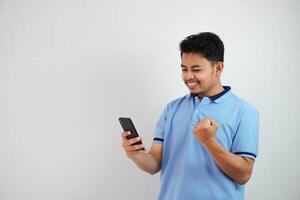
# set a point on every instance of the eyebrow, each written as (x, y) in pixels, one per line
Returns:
(193, 66)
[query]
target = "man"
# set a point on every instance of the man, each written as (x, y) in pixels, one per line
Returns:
(205, 142)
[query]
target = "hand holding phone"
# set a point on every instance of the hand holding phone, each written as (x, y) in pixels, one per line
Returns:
(127, 125)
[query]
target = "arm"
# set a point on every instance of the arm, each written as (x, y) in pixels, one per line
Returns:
(236, 167)
(147, 161)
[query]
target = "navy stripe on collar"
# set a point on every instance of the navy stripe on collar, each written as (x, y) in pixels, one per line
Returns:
(215, 97)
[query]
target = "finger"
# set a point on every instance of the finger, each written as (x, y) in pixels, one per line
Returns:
(205, 123)
(124, 134)
(207, 120)
(135, 147)
(134, 140)
(200, 123)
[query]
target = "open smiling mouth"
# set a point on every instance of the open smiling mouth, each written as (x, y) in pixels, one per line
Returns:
(192, 83)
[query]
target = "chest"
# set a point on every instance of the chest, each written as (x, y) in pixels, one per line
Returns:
(186, 117)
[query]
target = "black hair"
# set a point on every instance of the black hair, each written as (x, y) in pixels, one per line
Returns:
(206, 43)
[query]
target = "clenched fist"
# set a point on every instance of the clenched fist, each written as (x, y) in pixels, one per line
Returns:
(205, 130)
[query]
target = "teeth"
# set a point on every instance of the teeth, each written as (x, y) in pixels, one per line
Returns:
(192, 83)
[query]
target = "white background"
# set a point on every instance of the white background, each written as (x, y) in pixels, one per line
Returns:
(69, 69)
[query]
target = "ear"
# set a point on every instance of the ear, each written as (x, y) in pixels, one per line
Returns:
(219, 66)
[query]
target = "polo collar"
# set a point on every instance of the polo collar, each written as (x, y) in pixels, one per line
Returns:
(215, 97)
(218, 97)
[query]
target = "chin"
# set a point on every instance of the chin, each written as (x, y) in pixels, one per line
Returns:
(196, 92)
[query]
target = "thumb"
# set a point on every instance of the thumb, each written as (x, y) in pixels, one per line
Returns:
(206, 122)
(213, 123)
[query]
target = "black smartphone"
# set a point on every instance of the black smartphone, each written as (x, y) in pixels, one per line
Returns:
(127, 125)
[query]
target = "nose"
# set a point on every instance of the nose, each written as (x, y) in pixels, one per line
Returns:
(190, 75)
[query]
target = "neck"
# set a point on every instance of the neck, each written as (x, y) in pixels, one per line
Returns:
(215, 89)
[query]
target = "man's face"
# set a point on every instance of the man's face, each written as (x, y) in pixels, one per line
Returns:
(198, 73)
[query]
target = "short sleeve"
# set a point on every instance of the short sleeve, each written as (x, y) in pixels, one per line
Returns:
(245, 142)
(160, 127)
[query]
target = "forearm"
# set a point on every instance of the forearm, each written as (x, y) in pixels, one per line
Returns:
(234, 166)
(146, 162)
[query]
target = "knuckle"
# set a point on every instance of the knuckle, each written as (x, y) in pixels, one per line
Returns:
(133, 148)
(132, 141)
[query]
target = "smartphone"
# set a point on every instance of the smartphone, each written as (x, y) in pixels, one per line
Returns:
(127, 125)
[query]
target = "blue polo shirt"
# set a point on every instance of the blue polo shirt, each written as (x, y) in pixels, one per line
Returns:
(188, 172)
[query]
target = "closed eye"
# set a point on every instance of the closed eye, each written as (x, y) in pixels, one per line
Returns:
(197, 70)
(193, 70)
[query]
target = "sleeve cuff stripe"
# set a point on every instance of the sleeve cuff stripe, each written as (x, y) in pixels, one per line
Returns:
(158, 139)
(246, 153)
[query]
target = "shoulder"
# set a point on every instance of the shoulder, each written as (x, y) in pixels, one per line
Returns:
(177, 101)
(245, 107)
(172, 106)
